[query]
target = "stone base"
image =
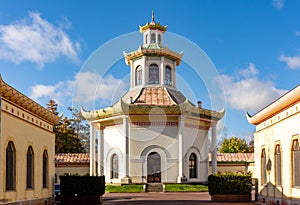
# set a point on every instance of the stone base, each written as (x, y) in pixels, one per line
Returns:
(39, 201)
(126, 180)
(231, 197)
(81, 199)
(181, 180)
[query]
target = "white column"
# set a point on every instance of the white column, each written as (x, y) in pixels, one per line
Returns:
(174, 74)
(145, 72)
(214, 147)
(126, 179)
(180, 149)
(92, 151)
(100, 152)
(162, 71)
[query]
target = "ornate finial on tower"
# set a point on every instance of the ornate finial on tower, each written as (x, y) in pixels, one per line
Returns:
(153, 25)
(152, 16)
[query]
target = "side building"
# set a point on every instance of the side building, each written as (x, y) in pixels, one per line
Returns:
(277, 150)
(27, 150)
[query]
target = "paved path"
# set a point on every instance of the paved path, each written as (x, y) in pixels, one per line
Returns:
(186, 198)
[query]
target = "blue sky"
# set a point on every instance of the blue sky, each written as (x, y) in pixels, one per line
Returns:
(254, 45)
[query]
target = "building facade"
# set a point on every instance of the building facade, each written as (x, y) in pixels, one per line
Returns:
(153, 133)
(277, 150)
(26, 149)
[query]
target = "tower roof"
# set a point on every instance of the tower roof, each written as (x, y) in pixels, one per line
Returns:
(153, 25)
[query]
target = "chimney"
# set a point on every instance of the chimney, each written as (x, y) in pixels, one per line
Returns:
(199, 104)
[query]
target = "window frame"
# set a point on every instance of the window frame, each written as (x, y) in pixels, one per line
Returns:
(278, 165)
(152, 36)
(168, 75)
(153, 77)
(114, 174)
(138, 75)
(295, 163)
(45, 170)
(263, 167)
(30, 168)
(10, 168)
(193, 173)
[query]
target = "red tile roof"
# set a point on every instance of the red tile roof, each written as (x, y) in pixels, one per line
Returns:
(74, 158)
(71, 158)
(234, 157)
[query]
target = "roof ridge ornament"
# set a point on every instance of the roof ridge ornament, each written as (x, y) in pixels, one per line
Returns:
(153, 16)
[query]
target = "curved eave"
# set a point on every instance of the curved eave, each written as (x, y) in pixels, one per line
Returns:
(153, 27)
(15, 97)
(158, 52)
(190, 109)
(275, 107)
(119, 108)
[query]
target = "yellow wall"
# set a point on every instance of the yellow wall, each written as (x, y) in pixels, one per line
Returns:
(80, 170)
(25, 129)
(234, 168)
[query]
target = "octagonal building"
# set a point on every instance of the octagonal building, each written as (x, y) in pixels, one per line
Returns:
(153, 134)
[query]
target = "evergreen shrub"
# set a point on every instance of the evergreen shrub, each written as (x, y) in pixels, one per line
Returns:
(229, 183)
(74, 185)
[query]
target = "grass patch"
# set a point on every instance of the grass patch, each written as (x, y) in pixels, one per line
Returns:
(124, 188)
(138, 188)
(186, 188)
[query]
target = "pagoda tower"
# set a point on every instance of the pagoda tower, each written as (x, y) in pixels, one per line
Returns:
(153, 133)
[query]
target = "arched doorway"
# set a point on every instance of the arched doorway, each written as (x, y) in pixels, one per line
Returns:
(153, 168)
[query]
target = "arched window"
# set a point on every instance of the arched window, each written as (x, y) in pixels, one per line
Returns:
(159, 39)
(114, 167)
(263, 168)
(45, 169)
(10, 166)
(277, 165)
(152, 38)
(296, 162)
(193, 165)
(138, 75)
(146, 39)
(29, 169)
(168, 75)
(153, 74)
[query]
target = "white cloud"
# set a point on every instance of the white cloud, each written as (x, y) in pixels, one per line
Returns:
(85, 89)
(246, 92)
(297, 33)
(278, 4)
(36, 40)
(293, 62)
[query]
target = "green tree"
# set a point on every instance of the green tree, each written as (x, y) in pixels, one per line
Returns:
(81, 128)
(234, 145)
(66, 139)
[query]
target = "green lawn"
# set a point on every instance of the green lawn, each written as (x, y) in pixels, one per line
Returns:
(169, 188)
(124, 188)
(186, 188)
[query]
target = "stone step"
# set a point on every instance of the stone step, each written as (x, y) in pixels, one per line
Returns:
(154, 187)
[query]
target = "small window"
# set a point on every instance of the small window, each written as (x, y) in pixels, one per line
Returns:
(153, 74)
(114, 167)
(263, 167)
(138, 75)
(193, 165)
(159, 39)
(10, 166)
(296, 162)
(45, 169)
(168, 75)
(152, 38)
(146, 39)
(277, 165)
(29, 170)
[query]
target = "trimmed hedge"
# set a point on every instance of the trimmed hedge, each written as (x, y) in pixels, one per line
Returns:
(229, 183)
(71, 185)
